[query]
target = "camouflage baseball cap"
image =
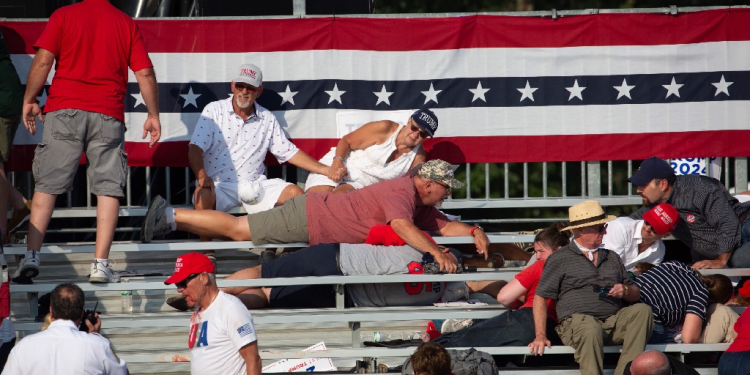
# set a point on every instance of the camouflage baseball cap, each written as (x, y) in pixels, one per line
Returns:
(440, 171)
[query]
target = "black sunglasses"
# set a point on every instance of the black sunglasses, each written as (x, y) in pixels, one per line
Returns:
(242, 86)
(183, 284)
(443, 185)
(422, 133)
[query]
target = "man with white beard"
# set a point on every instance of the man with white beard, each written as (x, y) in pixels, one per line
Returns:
(229, 145)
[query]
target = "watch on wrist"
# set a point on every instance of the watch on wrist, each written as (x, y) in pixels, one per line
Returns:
(475, 228)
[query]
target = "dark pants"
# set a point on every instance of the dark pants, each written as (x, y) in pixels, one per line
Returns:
(741, 257)
(511, 328)
(735, 363)
(5, 352)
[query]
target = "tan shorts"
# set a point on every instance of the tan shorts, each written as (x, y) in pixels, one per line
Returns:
(66, 132)
(283, 224)
(8, 127)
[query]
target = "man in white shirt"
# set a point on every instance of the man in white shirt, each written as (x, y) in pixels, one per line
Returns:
(222, 337)
(62, 348)
(641, 240)
(229, 145)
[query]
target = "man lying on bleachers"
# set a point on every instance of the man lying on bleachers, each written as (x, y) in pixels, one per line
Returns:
(406, 203)
(349, 260)
(714, 224)
(641, 240)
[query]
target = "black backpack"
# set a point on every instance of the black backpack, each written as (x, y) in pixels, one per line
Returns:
(464, 362)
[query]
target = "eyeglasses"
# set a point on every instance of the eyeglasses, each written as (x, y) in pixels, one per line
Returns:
(443, 185)
(244, 86)
(183, 284)
(601, 228)
(422, 133)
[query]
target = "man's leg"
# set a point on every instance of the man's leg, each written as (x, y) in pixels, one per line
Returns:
(585, 334)
(212, 224)
(107, 209)
(41, 213)
(741, 257)
(320, 189)
(252, 297)
(631, 327)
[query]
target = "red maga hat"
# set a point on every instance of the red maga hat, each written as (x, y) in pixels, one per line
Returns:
(663, 218)
(189, 264)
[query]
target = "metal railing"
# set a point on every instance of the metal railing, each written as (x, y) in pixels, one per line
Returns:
(503, 185)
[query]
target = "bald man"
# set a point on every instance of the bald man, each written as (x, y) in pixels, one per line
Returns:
(653, 362)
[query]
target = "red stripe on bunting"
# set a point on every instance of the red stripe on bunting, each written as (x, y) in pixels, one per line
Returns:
(407, 34)
(497, 149)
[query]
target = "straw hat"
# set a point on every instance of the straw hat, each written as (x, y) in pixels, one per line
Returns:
(587, 214)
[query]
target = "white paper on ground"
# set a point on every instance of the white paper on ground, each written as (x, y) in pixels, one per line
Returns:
(303, 364)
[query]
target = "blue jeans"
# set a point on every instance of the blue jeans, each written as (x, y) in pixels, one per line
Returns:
(741, 257)
(735, 363)
(511, 328)
(662, 335)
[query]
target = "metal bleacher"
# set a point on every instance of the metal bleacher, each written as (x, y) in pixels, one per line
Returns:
(152, 338)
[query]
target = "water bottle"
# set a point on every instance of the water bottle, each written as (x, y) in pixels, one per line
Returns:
(376, 336)
(127, 302)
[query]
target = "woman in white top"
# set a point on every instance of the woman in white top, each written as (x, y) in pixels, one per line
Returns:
(378, 151)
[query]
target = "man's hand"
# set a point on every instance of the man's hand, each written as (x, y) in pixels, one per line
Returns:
(617, 291)
(203, 182)
(708, 264)
(482, 242)
(153, 126)
(94, 328)
(537, 346)
(31, 112)
(447, 261)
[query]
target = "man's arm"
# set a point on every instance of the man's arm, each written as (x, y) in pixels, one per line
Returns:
(38, 72)
(195, 156)
(416, 239)
(719, 262)
(510, 294)
(691, 328)
(540, 326)
(150, 91)
(250, 354)
(457, 228)
(304, 161)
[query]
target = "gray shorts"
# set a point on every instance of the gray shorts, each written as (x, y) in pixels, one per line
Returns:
(283, 224)
(67, 133)
(8, 127)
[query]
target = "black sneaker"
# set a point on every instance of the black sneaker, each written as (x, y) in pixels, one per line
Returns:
(155, 222)
(179, 303)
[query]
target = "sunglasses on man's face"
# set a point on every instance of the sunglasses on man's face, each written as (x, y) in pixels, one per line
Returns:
(244, 86)
(422, 133)
(183, 284)
(448, 188)
(601, 228)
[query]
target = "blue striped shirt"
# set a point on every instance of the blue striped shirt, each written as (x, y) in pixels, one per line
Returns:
(672, 290)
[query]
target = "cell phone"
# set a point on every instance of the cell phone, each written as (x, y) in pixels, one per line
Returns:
(602, 290)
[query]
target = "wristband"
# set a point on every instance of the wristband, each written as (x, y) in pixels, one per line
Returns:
(625, 293)
(475, 228)
(339, 157)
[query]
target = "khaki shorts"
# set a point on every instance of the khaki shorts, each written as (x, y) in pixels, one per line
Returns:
(66, 132)
(283, 224)
(8, 127)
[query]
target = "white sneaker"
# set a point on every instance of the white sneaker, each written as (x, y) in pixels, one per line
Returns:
(453, 325)
(102, 274)
(28, 268)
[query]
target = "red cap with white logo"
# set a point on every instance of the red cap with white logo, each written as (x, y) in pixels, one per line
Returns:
(663, 218)
(189, 264)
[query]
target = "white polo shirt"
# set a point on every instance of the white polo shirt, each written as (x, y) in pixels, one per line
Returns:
(63, 349)
(234, 149)
(623, 237)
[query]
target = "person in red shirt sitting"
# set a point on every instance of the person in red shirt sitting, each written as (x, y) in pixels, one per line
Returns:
(515, 327)
(736, 360)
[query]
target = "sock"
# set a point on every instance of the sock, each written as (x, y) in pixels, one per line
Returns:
(170, 218)
(104, 262)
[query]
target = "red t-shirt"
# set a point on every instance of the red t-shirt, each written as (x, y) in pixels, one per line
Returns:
(94, 43)
(346, 218)
(385, 235)
(529, 279)
(742, 327)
